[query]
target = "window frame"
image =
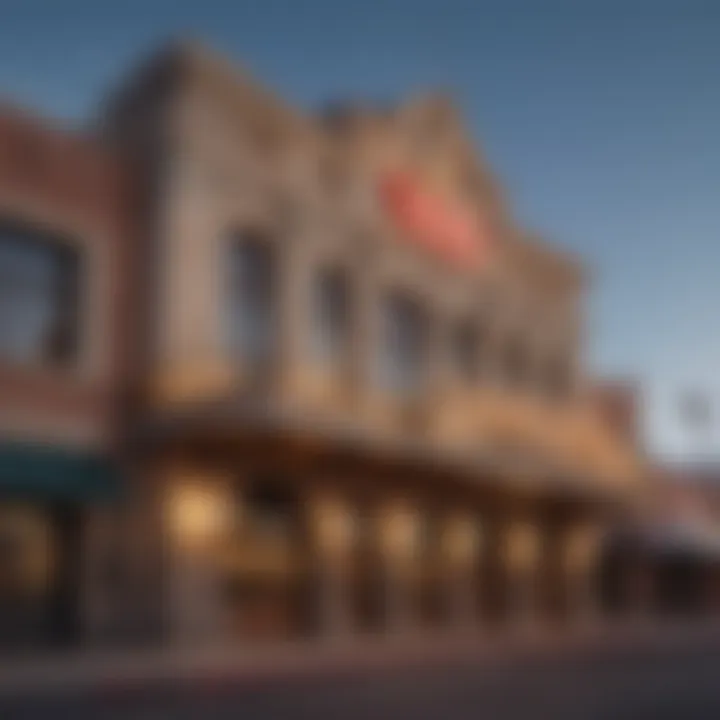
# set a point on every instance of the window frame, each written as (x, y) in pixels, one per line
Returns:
(237, 343)
(331, 346)
(63, 246)
(386, 377)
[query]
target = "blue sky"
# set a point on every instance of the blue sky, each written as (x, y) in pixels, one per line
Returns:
(601, 118)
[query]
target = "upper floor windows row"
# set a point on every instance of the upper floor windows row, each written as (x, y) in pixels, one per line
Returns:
(405, 337)
(40, 319)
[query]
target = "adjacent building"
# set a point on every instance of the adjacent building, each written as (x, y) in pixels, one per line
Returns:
(662, 556)
(62, 226)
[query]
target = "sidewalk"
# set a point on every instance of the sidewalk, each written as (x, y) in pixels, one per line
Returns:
(120, 672)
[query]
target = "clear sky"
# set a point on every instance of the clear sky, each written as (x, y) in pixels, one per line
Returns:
(601, 118)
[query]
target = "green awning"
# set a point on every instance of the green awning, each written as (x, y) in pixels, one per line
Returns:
(55, 473)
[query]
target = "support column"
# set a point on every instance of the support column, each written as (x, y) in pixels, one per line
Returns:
(399, 529)
(103, 580)
(638, 586)
(198, 508)
(581, 572)
(334, 534)
(462, 541)
(521, 557)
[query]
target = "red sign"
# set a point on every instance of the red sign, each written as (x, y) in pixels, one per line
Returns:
(432, 223)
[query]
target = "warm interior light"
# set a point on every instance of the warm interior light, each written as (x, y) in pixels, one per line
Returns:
(522, 546)
(462, 539)
(334, 526)
(197, 514)
(400, 532)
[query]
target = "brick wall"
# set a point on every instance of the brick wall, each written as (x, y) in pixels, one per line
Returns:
(68, 184)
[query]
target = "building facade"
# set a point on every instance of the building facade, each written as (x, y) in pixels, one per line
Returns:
(349, 392)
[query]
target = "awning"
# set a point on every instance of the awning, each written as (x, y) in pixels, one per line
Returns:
(54, 473)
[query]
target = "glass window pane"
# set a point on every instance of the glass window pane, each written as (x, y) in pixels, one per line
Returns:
(253, 298)
(331, 316)
(403, 346)
(39, 281)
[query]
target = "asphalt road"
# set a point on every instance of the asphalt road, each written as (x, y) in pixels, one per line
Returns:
(682, 684)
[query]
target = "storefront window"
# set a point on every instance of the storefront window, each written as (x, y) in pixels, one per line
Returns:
(403, 347)
(39, 282)
(253, 316)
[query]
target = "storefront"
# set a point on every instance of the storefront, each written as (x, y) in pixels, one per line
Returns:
(240, 560)
(373, 419)
(43, 496)
(267, 563)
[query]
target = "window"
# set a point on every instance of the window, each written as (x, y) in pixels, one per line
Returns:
(331, 316)
(465, 344)
(403, 344)
(253, 321)
(39, 287)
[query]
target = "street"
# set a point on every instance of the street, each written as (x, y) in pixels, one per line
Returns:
(588, 684)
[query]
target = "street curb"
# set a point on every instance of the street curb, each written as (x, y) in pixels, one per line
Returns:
(216, 669)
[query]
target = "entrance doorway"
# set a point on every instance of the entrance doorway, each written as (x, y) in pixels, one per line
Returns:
(40, 566)
(267, 577)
